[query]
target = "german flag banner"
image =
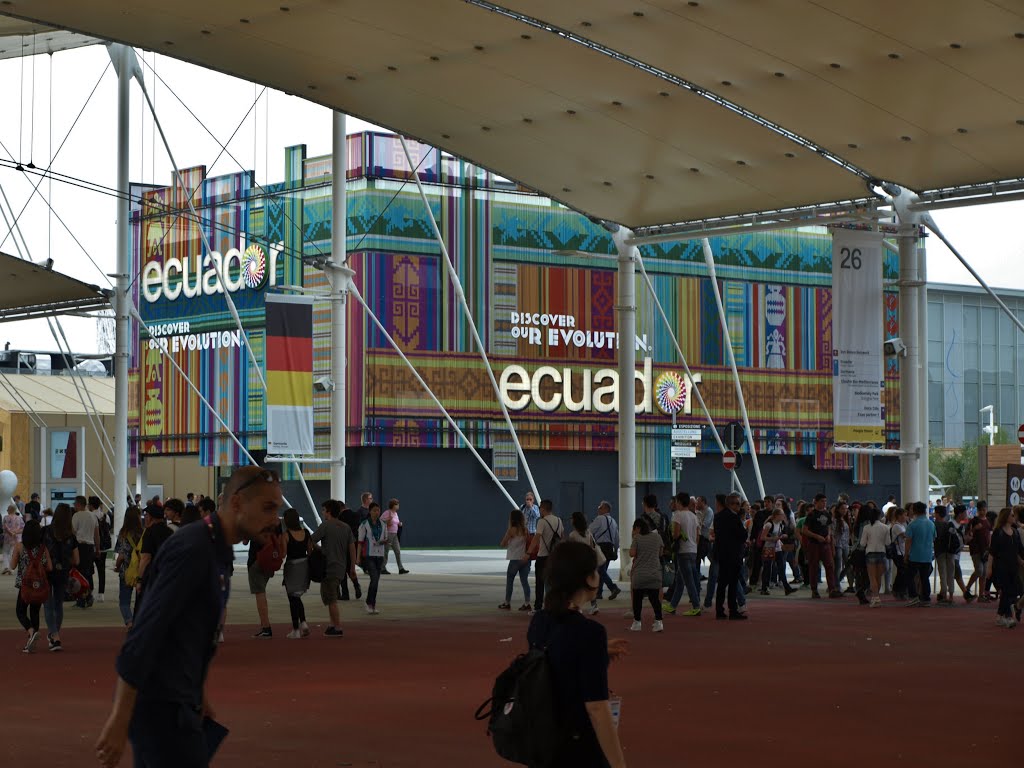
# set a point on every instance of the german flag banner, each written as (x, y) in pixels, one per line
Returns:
(290, 375)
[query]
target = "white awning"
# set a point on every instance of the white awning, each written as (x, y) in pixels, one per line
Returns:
(643, 113)
(29, 290)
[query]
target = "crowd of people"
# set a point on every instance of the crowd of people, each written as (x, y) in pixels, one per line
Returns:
(77, 542)
(855, 547)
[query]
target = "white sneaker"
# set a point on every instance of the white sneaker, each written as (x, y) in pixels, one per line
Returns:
(369, 610)
(1002, 621)
(220, 638)
(658, 627)
(304, 629)
(294, 634)
(636, 627)
(100, 597)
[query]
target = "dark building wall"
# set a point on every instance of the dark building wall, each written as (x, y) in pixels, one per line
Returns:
(448, 500)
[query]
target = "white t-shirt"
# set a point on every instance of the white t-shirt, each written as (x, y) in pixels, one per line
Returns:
(689, 531)
(874, 538)
(84, 524)
(375, 548)
(516, 548)
(550, 532)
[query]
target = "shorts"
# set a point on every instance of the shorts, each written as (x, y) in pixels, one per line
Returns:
(329, 588)
(257, 580)
(877, 558)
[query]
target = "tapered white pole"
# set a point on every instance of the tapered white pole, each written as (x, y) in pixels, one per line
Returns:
(339, 297)
(709, 258)
(123, 60)
(625, 311)
(460, 294)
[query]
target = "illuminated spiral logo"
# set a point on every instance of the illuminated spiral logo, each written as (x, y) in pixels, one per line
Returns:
(254, 267)
(670, 391)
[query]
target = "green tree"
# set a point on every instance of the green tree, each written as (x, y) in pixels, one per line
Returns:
(960, 468)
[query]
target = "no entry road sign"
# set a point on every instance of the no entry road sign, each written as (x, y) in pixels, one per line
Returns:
(729, 460)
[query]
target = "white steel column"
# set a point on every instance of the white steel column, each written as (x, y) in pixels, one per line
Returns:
(625, 310)
(910, 377)
(339, 296)
(709, 258)
(922, 337)
(123, 60)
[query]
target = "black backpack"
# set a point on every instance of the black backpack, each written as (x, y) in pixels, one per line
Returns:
(317, 564)
(105, 541)
(522, 717)
(954, 540)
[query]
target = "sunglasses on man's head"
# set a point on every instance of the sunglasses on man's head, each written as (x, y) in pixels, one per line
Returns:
(264, 475)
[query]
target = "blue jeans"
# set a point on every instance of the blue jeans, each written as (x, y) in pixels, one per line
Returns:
(686, 570)
(124, 599)
(54, 608)
(523, 570)
(602, 571)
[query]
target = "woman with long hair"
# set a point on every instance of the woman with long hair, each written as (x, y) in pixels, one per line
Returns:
(874, 537)
(296, 571)
(128, 539)
(578, 652)
(646, 576)
(373, 535)
(28, 550)
(841, 538)
(515, 541)
(898, 543)
(62, 545)
(1005, 554)
(581, 533)
(773, 535)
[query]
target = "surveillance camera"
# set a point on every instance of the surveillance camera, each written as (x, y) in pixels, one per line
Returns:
(323, 384)
(895, 347)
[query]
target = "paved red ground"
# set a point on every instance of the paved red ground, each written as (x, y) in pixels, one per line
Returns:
(799, 684)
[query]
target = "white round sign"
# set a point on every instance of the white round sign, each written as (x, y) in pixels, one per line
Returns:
(1014, 499)
(1014, 483)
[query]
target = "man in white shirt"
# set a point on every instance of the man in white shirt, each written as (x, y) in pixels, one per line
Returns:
(685, 534)
(606, 533)
(549, 532)
(888, 505)
(87, 530)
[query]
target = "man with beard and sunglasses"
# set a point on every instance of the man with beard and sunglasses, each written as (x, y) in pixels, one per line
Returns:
(160, 702)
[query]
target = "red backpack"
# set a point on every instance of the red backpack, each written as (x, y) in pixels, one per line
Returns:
(35, 586)
(271, 555)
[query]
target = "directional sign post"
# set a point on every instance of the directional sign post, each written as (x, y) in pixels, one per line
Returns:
(733, 436)
(729, 460)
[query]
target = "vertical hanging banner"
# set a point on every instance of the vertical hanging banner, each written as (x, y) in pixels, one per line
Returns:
(289, 375)
(858, 365)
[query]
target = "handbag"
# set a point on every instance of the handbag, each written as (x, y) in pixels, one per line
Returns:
(668, 575)
(77, 587)
(610, 551)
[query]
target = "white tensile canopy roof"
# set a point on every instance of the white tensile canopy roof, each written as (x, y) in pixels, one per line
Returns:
(645, 113)
(30, 290)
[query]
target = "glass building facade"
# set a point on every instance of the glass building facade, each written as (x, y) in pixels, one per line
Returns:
(975, 359)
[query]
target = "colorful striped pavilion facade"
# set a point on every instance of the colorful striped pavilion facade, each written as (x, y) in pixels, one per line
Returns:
(540, 281)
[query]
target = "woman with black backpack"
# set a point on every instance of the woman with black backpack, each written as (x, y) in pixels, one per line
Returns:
(578, 652)
(30, 562)
(62, 546)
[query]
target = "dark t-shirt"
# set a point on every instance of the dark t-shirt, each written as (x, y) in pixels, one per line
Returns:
(154, 538)
(577, 650)
(982, 535)
(351, 518)
(819, 522)
(33, 510)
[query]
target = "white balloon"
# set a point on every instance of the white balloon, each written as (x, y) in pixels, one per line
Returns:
(8, 485)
